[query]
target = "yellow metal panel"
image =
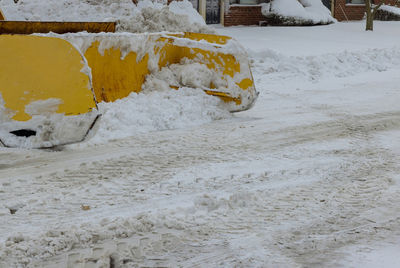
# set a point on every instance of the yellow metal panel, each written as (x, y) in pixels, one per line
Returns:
(221, 62)
(211, 38)
(115, 77)
(172, 54)
(37, 68)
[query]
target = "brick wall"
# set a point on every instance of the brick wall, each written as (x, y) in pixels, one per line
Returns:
(243, 15)
(345, 11)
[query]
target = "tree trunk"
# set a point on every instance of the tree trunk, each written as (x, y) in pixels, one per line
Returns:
(371, 14)
(369, 26)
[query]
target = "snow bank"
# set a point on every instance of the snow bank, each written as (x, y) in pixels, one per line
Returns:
(293, 12)
(158, 107)
(313, 68)
(156, 110)
(147, 16)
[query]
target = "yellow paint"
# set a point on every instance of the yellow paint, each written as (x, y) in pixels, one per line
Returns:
(217, 61)
(224, 96)
(211, 38)
(113, 77)
(220, 62)
(245, 83)
(38, 68)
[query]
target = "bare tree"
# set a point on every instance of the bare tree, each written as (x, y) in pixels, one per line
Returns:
(370, 10)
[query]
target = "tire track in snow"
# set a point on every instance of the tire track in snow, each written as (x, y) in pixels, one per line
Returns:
(50, 161)
(150, 167)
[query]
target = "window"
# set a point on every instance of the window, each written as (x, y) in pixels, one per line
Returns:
(356, 2)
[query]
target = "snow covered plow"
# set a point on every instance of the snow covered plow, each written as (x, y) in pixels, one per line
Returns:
(50, 83)
(121, 63)
(45, 92)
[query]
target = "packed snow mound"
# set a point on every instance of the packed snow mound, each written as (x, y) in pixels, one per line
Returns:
(158, 107)
(293, 12)
(147, 16)
(154, 111)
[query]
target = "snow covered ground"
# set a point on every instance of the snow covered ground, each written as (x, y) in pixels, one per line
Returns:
(307, 178)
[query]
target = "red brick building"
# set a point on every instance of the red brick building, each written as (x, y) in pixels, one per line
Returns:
(344, 10)
(248, 12)
(230, 12)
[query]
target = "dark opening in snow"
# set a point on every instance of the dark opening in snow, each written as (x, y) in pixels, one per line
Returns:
(23, 132)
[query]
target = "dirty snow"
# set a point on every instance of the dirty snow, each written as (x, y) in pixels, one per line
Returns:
(307, 178)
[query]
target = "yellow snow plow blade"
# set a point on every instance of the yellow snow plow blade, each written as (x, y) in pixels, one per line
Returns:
(50, 84)
(45, 92)
(118, 69)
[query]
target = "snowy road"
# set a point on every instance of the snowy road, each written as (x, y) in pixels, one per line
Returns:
(308, 178)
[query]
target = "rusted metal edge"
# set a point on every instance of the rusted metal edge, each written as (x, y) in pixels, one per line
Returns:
(30, 27)
(2, 16)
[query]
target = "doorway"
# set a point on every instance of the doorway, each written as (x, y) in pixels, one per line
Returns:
(213, 12)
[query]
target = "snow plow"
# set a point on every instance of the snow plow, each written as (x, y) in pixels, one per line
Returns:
(51, 81)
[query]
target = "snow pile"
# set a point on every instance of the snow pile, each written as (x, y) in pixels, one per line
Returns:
(187, 74)
(293, 12)
(388, 13)
(390, 9)
(176, 17)
(156, 110)
(147, 16)
(312, 68)
(159, 107)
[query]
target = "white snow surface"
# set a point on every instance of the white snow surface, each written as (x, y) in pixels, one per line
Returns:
(307, 178)
(303, 10)
(147, 16)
